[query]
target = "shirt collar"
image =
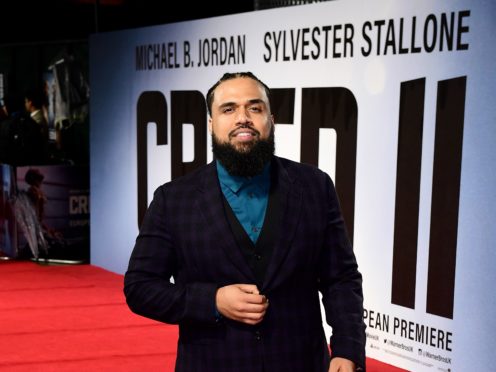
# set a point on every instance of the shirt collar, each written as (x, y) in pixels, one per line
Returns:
(235, 183)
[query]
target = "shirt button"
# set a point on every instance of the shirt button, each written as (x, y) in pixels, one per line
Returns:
(254, 228)
(258, 257)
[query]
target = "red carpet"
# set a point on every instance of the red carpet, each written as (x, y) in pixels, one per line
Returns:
(74, 318)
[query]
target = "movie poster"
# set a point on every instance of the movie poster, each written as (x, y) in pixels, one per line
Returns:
(52, 213)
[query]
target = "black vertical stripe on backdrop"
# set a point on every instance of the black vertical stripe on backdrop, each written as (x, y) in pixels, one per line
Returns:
(411, 121)
(188, 107)
(151, 108)
(282, 105)
(445, 196)
(333, 108)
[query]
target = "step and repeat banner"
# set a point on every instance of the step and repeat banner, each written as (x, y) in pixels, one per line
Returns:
(394, 99)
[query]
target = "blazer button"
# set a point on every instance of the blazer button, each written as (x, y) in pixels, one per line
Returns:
(258, 336)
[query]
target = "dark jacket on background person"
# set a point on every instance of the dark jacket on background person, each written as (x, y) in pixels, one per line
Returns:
(21, 141)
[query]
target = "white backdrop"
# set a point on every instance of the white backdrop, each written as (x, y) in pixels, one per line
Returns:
(372, 47)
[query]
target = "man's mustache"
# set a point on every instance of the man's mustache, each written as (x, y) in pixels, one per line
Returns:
(242, 127)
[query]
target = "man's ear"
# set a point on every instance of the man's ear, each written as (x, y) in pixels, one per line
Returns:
(210, 125)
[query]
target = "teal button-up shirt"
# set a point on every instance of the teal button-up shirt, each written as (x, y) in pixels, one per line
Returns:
(247, 197)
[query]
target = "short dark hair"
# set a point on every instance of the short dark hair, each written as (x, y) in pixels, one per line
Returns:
(33, 176)
(229, 76)
(36, 97)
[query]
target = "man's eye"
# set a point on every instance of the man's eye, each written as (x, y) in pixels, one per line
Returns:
(255, 109)
(227, 109)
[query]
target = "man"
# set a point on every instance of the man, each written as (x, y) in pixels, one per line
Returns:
(250, 240)
(33, 102)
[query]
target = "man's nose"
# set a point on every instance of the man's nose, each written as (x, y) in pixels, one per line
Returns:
(243, 117)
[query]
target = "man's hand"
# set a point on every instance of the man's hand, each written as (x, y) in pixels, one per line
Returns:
(341, 365)
(241, 302)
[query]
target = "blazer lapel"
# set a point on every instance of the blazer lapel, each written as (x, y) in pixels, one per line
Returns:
(290, 195)
(211, 206)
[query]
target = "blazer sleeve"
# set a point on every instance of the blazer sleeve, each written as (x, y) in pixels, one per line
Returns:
(341, 286)
(148, 287)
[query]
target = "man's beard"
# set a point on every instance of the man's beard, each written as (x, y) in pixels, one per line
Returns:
(247, 162)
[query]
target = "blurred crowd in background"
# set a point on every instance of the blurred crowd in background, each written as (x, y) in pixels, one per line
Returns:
(48, 125)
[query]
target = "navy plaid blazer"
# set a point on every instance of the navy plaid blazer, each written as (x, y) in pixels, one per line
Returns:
(186, 235)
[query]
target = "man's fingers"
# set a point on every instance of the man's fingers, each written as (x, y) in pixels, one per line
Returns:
(251, 318)
(250, 321)
(249, 288)
(242, 302)
(255, 299)
(250, 313)
(253, 308)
